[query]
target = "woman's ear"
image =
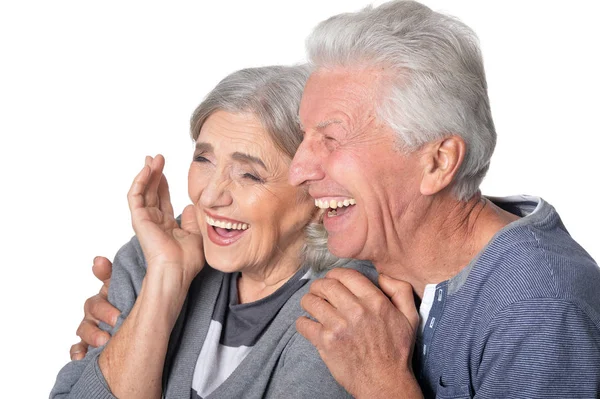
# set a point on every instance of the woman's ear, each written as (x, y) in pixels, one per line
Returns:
(442, 160)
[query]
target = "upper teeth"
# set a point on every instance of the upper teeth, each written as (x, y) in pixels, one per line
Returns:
(226, 225)
(333, 204)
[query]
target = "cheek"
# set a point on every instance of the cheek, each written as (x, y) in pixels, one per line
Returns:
(196, 183)
(345, 168)
(299, 212)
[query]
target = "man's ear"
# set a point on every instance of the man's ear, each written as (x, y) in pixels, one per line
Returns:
(441, 159)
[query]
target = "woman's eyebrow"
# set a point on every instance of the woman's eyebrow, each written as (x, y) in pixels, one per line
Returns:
(242, 157)
(204, 147)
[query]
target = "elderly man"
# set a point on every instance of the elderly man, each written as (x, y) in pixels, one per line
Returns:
(477, 296)
(397, 120)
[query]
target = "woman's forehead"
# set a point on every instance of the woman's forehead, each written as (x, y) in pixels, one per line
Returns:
(237, 133)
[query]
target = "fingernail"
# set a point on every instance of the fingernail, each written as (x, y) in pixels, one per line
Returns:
(101, 340)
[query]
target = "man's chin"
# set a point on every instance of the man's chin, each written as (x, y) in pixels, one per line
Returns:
(342, 248)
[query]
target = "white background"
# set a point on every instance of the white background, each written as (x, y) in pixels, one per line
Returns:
(88, 88)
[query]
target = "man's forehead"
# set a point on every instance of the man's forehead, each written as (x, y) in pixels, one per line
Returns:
(333, 95)
(343, 79)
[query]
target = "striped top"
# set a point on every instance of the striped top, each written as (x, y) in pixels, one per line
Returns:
(235, 328)
(522, 320)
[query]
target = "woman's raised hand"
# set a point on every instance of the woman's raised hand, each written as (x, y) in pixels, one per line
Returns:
(167, 247)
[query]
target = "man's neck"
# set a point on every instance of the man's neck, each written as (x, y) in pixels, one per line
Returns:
(444, 237)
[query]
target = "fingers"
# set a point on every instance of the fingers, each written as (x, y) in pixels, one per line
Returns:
(135, 196)
(78, 351)
(98, 308)
(90, 334)
(144, 189)
(402, 296)
(164, 197)
(310, 330)
(356, 283)
(102, 269)
(336, 294)
(157, 165)
(320, 309)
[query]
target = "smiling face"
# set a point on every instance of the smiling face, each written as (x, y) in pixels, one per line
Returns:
(251, 218)
(348, 156)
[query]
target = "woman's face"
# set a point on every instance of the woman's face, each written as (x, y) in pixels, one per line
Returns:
(251, 219)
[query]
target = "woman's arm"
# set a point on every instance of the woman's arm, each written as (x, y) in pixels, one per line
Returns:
(82, 377)
(132, 361)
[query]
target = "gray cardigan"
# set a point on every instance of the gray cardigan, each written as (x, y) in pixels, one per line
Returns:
(281, 364)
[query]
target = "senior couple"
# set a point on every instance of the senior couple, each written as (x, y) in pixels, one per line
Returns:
(251, 291)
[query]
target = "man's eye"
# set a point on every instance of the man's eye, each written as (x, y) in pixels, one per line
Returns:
(252, 177)
(200, 158)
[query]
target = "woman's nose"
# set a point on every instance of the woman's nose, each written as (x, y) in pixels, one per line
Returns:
(216, 193)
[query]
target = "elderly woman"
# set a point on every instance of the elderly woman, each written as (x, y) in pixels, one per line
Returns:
(208, 304)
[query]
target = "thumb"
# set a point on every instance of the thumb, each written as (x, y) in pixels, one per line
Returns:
(102, 269)
(188, 220)
(401, 294)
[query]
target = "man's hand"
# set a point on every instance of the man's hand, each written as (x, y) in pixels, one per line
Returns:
(365, 336)
(96, 309)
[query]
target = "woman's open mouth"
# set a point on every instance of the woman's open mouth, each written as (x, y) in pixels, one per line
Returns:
(223, 231)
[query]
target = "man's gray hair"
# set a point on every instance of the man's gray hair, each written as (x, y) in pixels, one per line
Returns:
(438, 85)
(272, 94)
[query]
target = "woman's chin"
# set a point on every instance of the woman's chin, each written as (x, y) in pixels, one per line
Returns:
(223, 264)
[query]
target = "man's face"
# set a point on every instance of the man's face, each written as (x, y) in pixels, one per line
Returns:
(348, 157)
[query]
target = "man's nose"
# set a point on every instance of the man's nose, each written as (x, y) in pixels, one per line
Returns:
(306, 165)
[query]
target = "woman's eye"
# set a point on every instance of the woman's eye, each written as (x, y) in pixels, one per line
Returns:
(252, 177)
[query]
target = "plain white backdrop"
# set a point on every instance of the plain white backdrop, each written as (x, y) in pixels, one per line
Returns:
(88, 88)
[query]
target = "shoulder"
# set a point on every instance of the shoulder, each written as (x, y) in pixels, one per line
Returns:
(365, 268)
(362, 266)
(302, 371)
(530, 262)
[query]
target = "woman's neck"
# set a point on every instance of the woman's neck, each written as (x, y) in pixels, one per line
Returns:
(253, 286)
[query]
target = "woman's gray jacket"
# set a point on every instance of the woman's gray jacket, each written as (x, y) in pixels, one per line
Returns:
(282, 364)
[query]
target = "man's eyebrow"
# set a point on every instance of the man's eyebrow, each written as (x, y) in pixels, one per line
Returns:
(324, 124)
(204, 147)
(240, 156)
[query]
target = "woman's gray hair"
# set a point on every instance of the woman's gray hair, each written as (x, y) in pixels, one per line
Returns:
(272, 94)
(438, 86)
